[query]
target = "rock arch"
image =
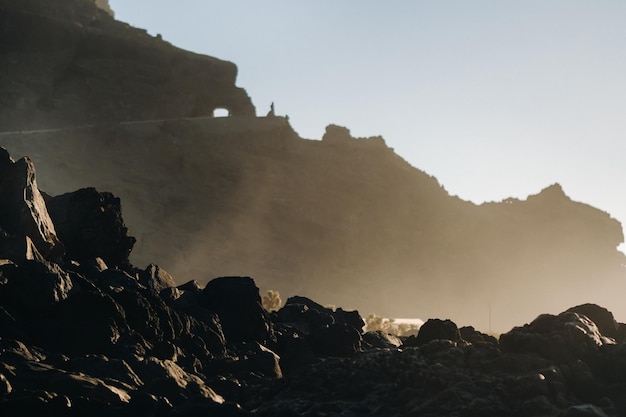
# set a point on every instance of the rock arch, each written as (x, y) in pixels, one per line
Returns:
(221, 112)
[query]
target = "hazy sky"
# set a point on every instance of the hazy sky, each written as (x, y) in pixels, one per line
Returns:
(495, 98)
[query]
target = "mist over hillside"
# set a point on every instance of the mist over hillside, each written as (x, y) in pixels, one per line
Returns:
(343, 220)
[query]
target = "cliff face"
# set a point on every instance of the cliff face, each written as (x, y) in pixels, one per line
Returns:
(342, 220)
(70, 63)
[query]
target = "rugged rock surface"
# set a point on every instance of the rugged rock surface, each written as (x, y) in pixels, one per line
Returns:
(80, 336)
(90, 224)
(22, 210)
(344, 221)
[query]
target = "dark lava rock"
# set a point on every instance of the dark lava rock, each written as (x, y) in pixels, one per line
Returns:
(90, 225)
(33, 286)
(299, 309)
(603, 318)
(469, 334)
(237, 302)
(381, 340)
(156, 278)
(566, 337)
(434, 329)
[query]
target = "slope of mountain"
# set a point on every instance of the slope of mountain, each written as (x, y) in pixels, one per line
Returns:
(342, 220)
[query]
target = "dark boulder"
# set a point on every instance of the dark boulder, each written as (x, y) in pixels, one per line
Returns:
(237, 302)
(294, 349)
(317, 315)
(306, 328)
(351, 318)
(19, 248)
(156, 278)
(167, 379)
(381, 340)
(142, 315)
(603, 318)
(434, 329)
(296, 299)
(169, 329)
(303, 318)
(90, 225)
(264, 361)
(251, 359)
(338, 340)
(34, 286)
(86, 323)
(566, 337)
(192, 320)
(471, 335)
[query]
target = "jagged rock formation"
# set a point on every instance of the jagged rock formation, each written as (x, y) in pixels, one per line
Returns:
(80, 337)
(70, 63)
(21, 209)
(344, 221)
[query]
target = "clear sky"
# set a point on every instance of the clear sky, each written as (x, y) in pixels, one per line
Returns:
(494, 98)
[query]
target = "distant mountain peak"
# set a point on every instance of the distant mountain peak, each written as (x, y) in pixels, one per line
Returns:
(553, 190)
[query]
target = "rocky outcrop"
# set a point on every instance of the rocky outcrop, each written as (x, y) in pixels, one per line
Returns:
(23, 212)
(82, 336)
(435, 329)
(566, 337)
(237, 301)
(70, 63)
(91, 226)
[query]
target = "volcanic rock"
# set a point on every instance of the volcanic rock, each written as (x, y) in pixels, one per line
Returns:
(566, 337)
(91, 337)
(237, 302)
(71, 63)
(23, 212)
(156, 278)
(435, 329)
(90, 223)
(32, 286)
(603, 319)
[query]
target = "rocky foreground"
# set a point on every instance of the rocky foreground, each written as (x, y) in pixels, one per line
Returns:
(83, 332)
